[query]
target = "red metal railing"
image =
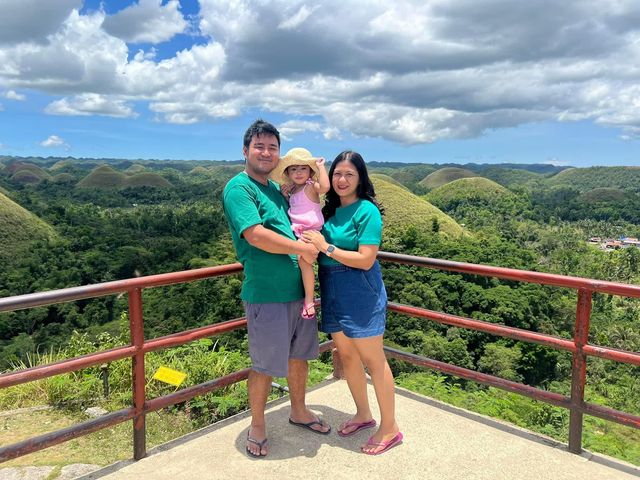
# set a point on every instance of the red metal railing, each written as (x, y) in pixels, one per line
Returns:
(133, 287)
(579, 346)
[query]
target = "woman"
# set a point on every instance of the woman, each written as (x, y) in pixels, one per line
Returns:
(353, 296)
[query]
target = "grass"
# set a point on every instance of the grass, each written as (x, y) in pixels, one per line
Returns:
(103, 447)
(19, 228)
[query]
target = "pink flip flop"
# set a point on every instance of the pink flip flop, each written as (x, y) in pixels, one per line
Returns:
(359, 426)
(385, 445)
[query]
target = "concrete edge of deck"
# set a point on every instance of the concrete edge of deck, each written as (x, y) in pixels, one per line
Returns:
(503, 426)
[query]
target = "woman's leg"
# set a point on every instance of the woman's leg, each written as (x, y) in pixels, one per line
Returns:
(356, 379)
(308, 281)
(372, 355)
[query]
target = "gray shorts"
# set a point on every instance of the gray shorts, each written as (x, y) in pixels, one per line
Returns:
(278, 333)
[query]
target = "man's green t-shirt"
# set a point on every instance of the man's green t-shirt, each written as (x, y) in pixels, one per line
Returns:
(268, 277)
(357, 224)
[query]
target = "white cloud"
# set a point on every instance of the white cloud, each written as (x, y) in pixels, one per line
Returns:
(32, 20)
(298, 18)
(148, 21)
(91, 104)
(12, 95)
(53, 141)
(410, 71)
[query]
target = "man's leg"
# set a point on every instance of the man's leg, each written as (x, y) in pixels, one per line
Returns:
(297, 379)
(259, 385)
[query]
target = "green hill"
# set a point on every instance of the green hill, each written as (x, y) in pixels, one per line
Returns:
(135, 168)
(63, 178)
(585, 179)
(61, 165)
(103, 177)
(386, 178)
(445, 175)
(19, 228)
(461, 196)
(27, 173)
(598, 195)
(508, 177)
(403, 208)
(146, 179)
(471, 189)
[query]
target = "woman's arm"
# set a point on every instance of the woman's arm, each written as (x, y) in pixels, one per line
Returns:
(363, 259)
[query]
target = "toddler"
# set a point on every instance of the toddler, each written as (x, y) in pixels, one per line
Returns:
(303, 179)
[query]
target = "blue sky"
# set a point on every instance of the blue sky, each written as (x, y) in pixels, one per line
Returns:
(438, 81)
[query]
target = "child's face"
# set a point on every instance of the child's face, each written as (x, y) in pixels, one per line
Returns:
(299, 174)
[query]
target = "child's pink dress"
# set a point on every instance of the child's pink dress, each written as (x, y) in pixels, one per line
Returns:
(304, 213)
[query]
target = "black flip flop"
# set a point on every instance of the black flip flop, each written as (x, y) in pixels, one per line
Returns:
(309, 426)
(255, 442)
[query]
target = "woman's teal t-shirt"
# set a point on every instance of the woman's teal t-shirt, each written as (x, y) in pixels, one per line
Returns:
(357, 224)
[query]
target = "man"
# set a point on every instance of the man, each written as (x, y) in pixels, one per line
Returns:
(280, 341)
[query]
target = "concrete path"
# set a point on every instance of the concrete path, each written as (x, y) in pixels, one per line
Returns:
(441, 443)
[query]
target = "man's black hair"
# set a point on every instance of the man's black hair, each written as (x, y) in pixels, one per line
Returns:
(260, 127)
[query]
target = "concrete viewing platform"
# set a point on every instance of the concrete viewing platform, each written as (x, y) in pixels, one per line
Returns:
(441, 443)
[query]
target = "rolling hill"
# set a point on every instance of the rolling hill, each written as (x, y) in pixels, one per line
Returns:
(476, 190)
(19, 228)
(386, 178)
(445, 175)
(585, 179)
(106, 177)
(403, 208)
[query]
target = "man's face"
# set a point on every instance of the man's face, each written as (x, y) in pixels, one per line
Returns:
(262, 154)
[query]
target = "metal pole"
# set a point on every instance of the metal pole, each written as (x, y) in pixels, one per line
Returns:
(579, 370)
(137, 365)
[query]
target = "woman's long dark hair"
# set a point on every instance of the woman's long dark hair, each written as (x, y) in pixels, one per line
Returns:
(365, 187)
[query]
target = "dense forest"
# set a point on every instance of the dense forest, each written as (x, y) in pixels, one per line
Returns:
(69, 222)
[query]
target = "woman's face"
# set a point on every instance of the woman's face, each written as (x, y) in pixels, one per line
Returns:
(345, 181)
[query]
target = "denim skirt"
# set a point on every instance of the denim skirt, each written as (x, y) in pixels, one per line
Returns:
(354, 301)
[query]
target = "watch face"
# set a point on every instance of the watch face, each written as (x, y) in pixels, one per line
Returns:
(330, 249)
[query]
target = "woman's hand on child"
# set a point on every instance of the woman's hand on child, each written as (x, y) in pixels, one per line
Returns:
(315, 237)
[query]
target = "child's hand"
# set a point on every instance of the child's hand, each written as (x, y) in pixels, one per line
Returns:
(320, 162)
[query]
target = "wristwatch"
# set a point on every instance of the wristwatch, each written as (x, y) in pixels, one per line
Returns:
(330, 250)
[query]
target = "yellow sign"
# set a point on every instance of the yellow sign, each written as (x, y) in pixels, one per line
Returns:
(170, 376)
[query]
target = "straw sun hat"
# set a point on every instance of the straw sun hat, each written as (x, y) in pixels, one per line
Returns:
(295, 156)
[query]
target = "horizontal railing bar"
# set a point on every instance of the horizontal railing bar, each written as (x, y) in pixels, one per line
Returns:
(515, 387)
(195, 390)
(606, 413)
(187, 336)
(63, 435)
(65, 366)
(600, 286)
(487, 327)
(610, 414)
(40, 299)
(206, 387)
(612, 354)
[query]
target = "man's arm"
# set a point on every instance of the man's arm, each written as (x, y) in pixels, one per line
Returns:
(272, 242)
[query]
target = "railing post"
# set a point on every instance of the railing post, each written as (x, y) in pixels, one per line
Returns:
(138, 380)
(579, 369)
(338, 371)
